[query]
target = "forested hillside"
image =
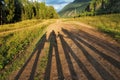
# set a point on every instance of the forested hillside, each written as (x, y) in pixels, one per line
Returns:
(74, 8)
(18, 10)
(90, 7)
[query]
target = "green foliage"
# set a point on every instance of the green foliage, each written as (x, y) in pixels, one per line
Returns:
(45, 12)
(10, 10)
(42, 10)
(51, 13)
(104, 6)
(17, 10)
(28, 10)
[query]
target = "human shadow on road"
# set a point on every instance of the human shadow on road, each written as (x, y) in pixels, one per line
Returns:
(104, 74)
(39, 47)
(68, 51)
(53, 46)
(100, 42)
(103, 55)
(103, 43)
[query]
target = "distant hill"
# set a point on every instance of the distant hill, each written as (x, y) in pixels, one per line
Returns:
(74, 8)
(90, 7)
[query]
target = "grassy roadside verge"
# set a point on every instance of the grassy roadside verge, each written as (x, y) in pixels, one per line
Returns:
(15, 42)
(17, 63)
(15, 46)
(18, 25)
(109, 24)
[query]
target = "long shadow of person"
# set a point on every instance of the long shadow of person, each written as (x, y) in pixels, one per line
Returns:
(53, 46)
(68, 51)
(99, 68)
(37, 51)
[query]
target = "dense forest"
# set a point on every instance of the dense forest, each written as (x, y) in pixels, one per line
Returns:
(104, 6)
(18, 10)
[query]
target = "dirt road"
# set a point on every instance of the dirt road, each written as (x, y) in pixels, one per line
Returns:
(75, 52)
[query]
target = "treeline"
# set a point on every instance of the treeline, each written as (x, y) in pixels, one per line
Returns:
(17, 10)
(97, 7)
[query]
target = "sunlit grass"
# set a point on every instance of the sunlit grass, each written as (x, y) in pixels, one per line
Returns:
(15, 43)
(18, 25)
(109, 24)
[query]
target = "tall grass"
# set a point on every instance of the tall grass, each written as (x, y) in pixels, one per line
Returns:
(109, 24)
(24, 52)
(13, 43)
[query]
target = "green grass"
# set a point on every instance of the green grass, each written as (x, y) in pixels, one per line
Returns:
(18, 43)
(18, 25)
(14, 43)
(23, 56)
(109, 24)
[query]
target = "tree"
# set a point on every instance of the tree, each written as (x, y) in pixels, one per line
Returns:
(2, 4)
(17, 10)
(42, 11)
(10, 9)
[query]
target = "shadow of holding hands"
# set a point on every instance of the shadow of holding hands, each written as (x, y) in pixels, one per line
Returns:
(69, 55)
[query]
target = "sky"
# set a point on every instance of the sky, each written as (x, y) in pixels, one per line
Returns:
(57, 4)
